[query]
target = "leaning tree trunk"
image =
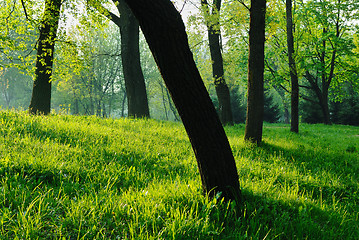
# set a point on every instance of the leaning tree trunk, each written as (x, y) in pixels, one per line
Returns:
(137, 101)
(166, 36)
(41, 93)
(255, 94)
(294, 124)
(214, 34)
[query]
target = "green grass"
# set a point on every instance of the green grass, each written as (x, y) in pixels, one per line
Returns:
(71, 177)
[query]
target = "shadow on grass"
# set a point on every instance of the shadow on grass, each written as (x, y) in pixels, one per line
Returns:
(263, 218)
(260, 218)
(338, 219)
(120, 171)
(341, 167)
(94, 160)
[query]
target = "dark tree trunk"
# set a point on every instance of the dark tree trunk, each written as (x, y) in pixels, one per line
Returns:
(323, 98)
(137, 101)
(104, 115)
(255, 95)
(41, 93)
(98, 108)
(166, 36)
(76, 105)
(321, 94)
(215, 46)
(173, 108)
(123, 103)
(294, 124)
(322, 90)
(286, 115)
(325, 106)
(164, 101)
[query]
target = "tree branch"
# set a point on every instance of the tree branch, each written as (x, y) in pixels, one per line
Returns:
(23, 6)
(303, 86)
(244, 5)
(308, 99)
(284, 88)
(107, 13)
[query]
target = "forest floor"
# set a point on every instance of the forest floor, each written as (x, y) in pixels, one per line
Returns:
(77, 177)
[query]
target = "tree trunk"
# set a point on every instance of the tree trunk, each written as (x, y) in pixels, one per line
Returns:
(321, 94)
(294, 124)
(173, 109)
(214, 35)
(166, 36)
(255, 95)
(76, 104)
(137, 101)
(324, 93)
(41, 93)
(286, 115)
(163, 100)
(123, 103)
(325, 106)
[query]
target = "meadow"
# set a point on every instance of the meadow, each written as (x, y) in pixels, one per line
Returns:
(83, 177)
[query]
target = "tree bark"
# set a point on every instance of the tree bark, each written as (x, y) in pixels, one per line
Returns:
(41, 93)
(166, 36)
(173, 109)
(325, 105)
(137, 101)
(255, 92)
(294, 123)
(215, 46)
(323, 99)
(321, 94)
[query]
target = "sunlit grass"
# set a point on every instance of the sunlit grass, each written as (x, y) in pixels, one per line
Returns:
(71, 177)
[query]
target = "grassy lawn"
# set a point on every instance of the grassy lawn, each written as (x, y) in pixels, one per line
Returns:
(71, 177)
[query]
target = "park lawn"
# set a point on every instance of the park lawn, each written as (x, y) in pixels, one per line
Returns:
(81, 177)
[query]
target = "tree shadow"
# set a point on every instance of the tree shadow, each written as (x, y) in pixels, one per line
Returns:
(336, 219)
(309, 162)
(265, 218)
(123, 172)
(124, 168)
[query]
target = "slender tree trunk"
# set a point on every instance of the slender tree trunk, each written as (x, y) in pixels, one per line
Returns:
(98, 108)
(325, 106)
(255, 95)
(323, 99)
(123, 103)
(76, 104)
(164, 101)
(166, 36)
(110, 99)
(215, 46)
(137, 101)
(322, 96)
(286, 115)
(322, 92)
(294, 124)
(173, 109)
(104, 115)
(41, 93)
